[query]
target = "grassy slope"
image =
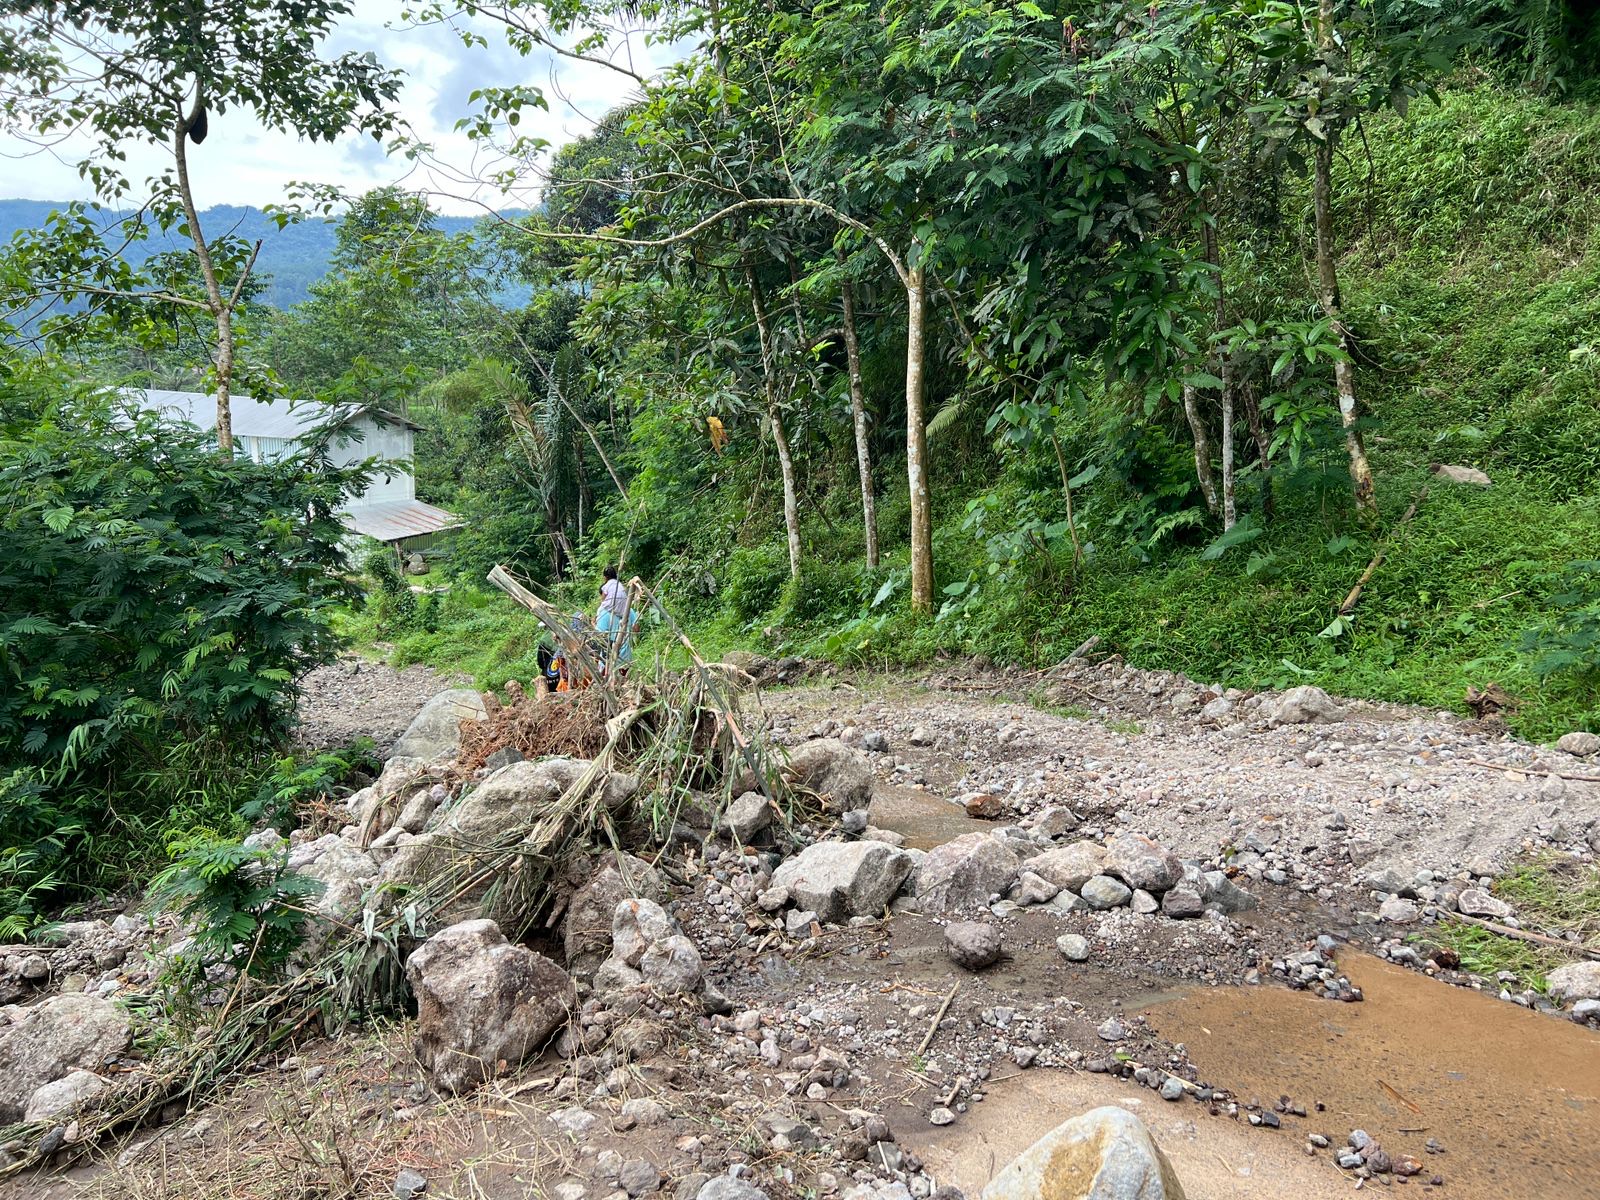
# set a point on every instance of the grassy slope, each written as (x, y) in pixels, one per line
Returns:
(1473, 276)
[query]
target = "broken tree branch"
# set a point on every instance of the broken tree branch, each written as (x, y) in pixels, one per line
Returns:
(1377, 559)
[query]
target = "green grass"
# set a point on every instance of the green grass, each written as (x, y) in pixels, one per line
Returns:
(1550, 893)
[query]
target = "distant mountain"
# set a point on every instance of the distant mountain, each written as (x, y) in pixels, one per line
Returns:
(292, 259)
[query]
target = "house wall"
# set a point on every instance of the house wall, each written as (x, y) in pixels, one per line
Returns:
(383, 441)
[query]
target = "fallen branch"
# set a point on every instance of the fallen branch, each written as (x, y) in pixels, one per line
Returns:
(1523, 935)
(1377, 559)
(1478, 762)
(937, 1017)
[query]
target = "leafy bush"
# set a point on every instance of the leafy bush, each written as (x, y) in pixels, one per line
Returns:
(756, 575)
(394, 604)
(243, 904)
(1567, 646)
(295, 783)
(158, 603)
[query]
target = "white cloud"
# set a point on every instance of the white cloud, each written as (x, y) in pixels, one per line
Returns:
(244, 163)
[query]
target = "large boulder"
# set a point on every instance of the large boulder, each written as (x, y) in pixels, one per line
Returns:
(841, 775)
(648, 948)
(1105, 1154)
(70, 1032)
(72, 1093)
(482, 1002)
(1575, 981)
(1303, 705)
(837, 880)
(586, 934)
(344, 873)
(499, 809)
(1069, 866)
(1142, 863)
(964, 873)
(435, 732)
(1579, 743)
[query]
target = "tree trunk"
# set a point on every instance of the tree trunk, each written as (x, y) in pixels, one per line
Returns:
(1066, 491)
(791, 503)
(220, 307)
(1202, 449)
(1230, 512)
(1344, 375)
(1258, 433)
(858, 417)
(917, 443)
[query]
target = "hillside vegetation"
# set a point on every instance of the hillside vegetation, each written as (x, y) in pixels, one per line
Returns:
(1472, 283)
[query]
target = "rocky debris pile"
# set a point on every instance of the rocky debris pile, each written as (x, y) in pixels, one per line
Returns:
(1105, 1154)
(97, 958)
(54, 1060)
(1365, 1159)
(1314, 969)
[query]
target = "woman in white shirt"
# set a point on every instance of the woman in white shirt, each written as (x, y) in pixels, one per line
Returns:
(616, 617)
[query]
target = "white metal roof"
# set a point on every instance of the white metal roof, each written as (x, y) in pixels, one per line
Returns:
(391, 520)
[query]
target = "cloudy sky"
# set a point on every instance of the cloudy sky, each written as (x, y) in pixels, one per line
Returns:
(242, 163)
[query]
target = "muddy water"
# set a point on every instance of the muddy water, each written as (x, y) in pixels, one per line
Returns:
(923, 819)
(1514, 1097)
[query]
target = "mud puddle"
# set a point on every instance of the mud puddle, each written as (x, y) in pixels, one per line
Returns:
(1512, 1096)
(922, 818)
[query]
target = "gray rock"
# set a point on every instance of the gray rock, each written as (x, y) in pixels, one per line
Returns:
(414, 815)
(1476, 902)
(920, 736)
(345, 874)
(482, 1001)
(74, 1091)
(724, 1188)
(941, 1116)
(1143, 902)
(436, 730)
(409, 1184)
(747, 816)
(1074, 947)
(1184, 901)
(574, 1121)
(1579, 744)
(1575, 981)
(963, 873)
(1223, 894)
(68, 1032)
(33, 968)
(644, 1111)
(673, 966)
(586, 932)
(1142, 863)
(1217, 710)
(504, 757)
(639, 1177)
(1303, 705)
(1586, 1010)
(1055, 821)
(636, 925)
(1398, 910)
(1033, 889)
(1064, 902)
(1111, 1030)
(844, 879)
(1102, 892)
(1069, 866)
(839, 774)
(614, 975)
(874, 742)
(790, 1134)
(1172, 1088)
(1104, 1154)
(972, 945)
(798, 921)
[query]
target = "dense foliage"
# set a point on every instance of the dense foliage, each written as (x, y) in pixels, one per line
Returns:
(158, 603)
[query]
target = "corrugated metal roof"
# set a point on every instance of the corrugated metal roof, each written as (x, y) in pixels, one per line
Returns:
(251, 417)
(391, 520)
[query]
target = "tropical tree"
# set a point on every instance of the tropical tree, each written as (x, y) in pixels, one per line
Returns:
(168, 74)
